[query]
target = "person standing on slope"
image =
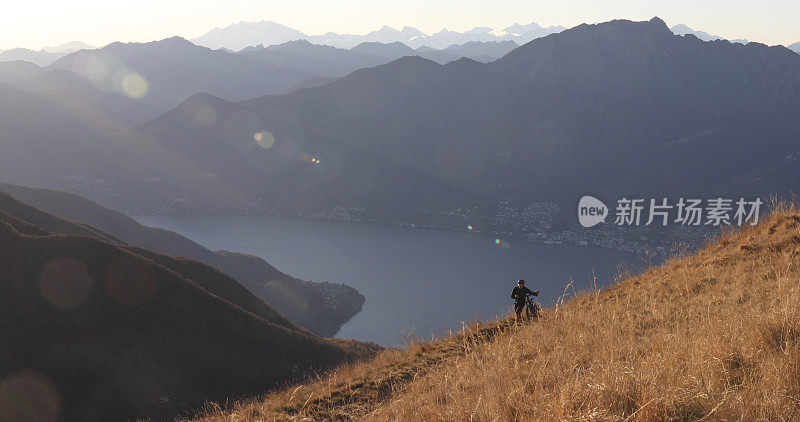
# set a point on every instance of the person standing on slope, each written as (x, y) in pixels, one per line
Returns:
(519, 294)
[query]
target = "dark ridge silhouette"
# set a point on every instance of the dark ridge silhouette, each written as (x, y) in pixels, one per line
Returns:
(106, 331)
(207, 277)
(319, 307)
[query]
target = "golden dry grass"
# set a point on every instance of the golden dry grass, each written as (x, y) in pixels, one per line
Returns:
(712, 336)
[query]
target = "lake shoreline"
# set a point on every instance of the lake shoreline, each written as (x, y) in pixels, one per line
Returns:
(445, 276)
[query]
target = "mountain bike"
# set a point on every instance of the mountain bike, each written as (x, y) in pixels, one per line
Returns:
(533, 310)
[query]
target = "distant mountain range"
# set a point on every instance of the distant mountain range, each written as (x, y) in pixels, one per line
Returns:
(619, 108)
(40, 58)
(44, 56)
(246, 34)
(328, 61)
(795, 47)
(69, 47)
(95, 329)
(136, 81)
(266, 33)
(162, 73)
(682, 29)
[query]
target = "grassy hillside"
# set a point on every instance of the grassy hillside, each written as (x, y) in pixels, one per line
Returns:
(95, 329)
(715, 335)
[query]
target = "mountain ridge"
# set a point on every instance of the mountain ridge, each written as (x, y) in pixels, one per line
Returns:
(174, 68)
(105, 331)
(245, 34)
(681, 29)
(303, 302)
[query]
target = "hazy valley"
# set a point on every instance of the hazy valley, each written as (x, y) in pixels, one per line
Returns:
(633, 108)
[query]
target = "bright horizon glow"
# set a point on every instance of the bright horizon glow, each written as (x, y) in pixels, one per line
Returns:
(99, 22)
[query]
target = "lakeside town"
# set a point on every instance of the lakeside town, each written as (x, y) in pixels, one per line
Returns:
(535, 223)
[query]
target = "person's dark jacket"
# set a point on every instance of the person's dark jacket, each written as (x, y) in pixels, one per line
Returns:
(519, 293)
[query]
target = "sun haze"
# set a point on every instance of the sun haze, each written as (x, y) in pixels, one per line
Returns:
(48, 23)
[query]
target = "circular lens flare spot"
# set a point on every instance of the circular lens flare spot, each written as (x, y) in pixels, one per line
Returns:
(205, 116)
(502, 243)
(65, 283)
(265, 139)
(97, 69)
(135, 85)
(28, 396)
(129, 282)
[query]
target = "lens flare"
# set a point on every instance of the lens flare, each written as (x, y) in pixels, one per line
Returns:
(502, 243)
(306, 157)
(65, 283)
(105, 72)
(28, 396)
(115, 81)
(205, 116)
(265, 139)
(96, 69)
(135, 85)
(469, 227)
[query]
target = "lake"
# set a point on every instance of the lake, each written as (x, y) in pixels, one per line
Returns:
(418, 281)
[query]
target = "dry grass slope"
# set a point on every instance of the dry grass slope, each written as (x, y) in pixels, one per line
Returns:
(712, 336)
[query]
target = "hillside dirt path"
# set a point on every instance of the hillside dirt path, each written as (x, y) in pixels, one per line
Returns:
(351, 395)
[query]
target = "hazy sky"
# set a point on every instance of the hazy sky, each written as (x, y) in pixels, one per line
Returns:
(34, 24)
